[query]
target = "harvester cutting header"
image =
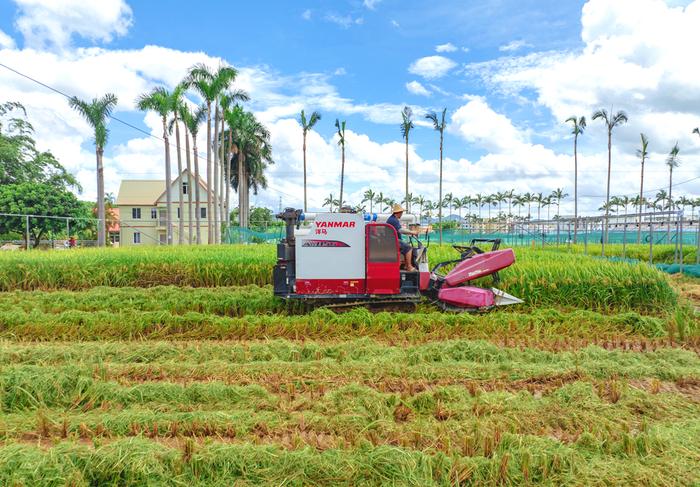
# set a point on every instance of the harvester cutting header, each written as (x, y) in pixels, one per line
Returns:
(348, 259)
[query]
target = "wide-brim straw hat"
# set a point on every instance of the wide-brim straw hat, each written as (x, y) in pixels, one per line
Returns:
(397, 208)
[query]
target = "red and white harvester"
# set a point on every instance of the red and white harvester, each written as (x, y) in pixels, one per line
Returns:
(351, 259)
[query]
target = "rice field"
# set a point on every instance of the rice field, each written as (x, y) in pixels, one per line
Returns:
(178, 367)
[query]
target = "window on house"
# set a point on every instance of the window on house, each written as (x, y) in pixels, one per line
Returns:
(137, 237)
(136, 213)
(185, 187)
(154, 213)
(202, 212)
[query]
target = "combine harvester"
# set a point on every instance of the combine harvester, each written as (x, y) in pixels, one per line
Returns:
(352, 259)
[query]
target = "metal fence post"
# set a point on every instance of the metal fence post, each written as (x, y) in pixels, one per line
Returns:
(697, 242)
(67, 228)
(675, 248)
(680, 243)
(26, 220)
(585, 236)
(651, 241)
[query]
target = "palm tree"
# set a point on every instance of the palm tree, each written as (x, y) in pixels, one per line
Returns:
(228, 101)
(192, 121)
(368, 196)
(611, 121)
(307, 125)
(341, 142)
(177, 102)
(671, 161)
(578, 126)
(420, 201)
(252, 155)
(96, 113)
(642, 154)
(519, 201)
(447, 202)
(529, 199)
(329, 201)
(184, 114)
(406, 126)
(408, 199)
(163, 103)
(439, 125)
(210, 85)
(389, 202)
(558, 194)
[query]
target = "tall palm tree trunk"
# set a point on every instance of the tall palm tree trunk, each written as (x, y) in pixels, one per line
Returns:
(197, 195)
(670, 204)
(575, 187)
(408, 202)
(342, 174)
(209, 175)
(641, 202)
(241, 191)
(181, 203)
(303, 148)
(607, 195)
(222, 216)
(190, 187)
(440, 191)
(228, 176)
(216, 230)
(101, 224)
(168, 192)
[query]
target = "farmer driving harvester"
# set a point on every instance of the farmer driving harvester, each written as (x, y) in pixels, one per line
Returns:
(406, 250)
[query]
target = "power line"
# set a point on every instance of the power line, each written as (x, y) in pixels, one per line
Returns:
(180, 149)
(112, 117)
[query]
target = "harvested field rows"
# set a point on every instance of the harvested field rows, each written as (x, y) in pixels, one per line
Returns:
(178, 367)
(467, 409)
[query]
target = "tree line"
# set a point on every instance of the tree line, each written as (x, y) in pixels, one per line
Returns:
(237, 147)
(578, 125)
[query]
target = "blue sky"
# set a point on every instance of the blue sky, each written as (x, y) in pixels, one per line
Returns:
(509, 72)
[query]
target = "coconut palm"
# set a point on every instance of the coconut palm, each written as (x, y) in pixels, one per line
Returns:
(306, 125)
(96, 113)
(228, 102)
(341, 142)
(447, 202)
(578, 126)
(177, 102)
(439, 125)
(193, 120)
(379, 199)
(408, 199)
(329, 202)
(558, 195)
(420, 201)
(252, 155)
(642, 154)
(406, 127)
(210, 84)
(519, 201)
(671, 161)
(611, 121)
(369, 196)
(162, 101)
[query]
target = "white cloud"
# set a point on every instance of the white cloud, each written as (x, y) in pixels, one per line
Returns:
(306, 14)
(344, 21)
(371, 4)
(417, 89)
(45, 23)
(432, 67)
(513, 46)
(340, 72)
(395, 23)
(6, 42)
(449, 47)
(652, 77)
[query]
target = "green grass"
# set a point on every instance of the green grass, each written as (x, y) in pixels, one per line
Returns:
(661, 253)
